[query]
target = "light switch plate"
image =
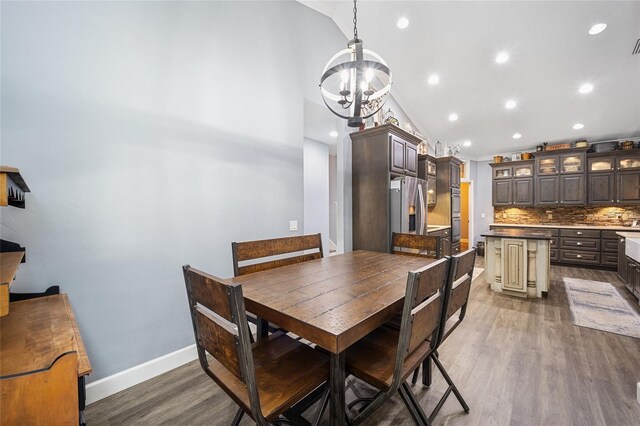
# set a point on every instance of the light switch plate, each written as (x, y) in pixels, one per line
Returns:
(483, 215)
(293, 225)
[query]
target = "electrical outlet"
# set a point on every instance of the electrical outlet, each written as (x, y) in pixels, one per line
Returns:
(483, 215)
(549, 215)
(504, 215)
(293, 225)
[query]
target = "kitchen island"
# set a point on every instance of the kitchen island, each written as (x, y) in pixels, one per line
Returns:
(517, 261)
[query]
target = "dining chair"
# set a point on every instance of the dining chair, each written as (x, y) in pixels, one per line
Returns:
(266, 378)
(456, 302)
(246, 255)
(416, 245)
(387, 356)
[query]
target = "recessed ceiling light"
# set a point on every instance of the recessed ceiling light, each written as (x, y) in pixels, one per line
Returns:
(597, 29)
(466, 143)
(586, 88)
(333, 134)
(510, 104)
(502, 57)
(453, 116)
(517, 135)
(403, 23)
(578, 126)
(434, 79)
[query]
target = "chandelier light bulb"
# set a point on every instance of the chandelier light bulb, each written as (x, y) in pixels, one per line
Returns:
(368, 75)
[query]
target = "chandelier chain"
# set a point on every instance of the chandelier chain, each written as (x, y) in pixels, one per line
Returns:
(355, 20)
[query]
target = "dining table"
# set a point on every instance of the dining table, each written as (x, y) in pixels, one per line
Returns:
(332, 302)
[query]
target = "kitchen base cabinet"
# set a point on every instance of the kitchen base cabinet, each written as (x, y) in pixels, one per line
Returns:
(622, 259)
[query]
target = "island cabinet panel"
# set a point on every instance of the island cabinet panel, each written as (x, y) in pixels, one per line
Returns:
(601, 188)
(502, 192)
(523, 191)
(572, 189)
(514, 274)
(622, 259)
(547, 190)
(628, 188)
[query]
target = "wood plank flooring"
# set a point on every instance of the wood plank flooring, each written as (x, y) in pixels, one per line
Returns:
(516, 362)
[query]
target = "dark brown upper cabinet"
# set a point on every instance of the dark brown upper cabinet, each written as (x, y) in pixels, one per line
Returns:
(455, 174)
(572, 189)
(628, 187)
(403, 157)
(523, 191)
(601, 188)
(547, 190)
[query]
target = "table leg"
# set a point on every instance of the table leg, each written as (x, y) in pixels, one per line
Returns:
(336, 382)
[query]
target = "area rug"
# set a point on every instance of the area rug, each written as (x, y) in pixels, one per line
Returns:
(476, 273)
(598, 305)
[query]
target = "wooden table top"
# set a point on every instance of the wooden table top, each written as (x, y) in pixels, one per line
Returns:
(333, 301)
(36, 332)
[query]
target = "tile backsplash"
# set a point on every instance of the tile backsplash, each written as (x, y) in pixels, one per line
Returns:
(578, 215)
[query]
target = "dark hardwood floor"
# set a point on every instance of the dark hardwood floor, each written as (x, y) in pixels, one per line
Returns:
(516, 362)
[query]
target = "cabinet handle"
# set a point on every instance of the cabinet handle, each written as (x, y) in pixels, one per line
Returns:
(561, 202)
(579, 256)
(578, 243)
(622, 240)
(579, 232)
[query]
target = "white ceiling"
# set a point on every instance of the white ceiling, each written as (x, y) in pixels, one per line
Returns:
(551, 55)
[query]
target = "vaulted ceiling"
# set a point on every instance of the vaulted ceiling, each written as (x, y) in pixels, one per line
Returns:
(551, 54)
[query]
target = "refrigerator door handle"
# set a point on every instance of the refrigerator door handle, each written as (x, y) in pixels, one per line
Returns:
(423, 213)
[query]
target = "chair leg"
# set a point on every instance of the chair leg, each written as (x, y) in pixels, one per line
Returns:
(427, 369)
(376, 402)
(452, 388)
(412, 404)
(324, 400)
(263, 328)
(237, 417)
(414, 380)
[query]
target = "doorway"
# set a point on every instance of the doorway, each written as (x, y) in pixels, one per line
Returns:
(465, 240)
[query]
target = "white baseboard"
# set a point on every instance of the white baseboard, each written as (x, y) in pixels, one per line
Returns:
(125, 379)
(638, 393)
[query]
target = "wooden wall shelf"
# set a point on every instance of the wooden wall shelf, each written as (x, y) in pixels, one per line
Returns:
(9, 263)
(12, 187)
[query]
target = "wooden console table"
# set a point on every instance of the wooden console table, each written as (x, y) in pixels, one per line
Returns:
(42, 358)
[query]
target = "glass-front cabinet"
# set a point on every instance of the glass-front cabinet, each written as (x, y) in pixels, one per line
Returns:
(601, 164)
(548, 165)
(502, 172)
(524, 170)
(628, 162)
(572, 163)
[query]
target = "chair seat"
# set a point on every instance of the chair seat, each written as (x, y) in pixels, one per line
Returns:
(373, 357)
(286, 371)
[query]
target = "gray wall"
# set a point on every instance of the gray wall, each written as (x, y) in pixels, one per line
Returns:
(152, 134)
(316, 190)
(481, 172)
(333, 198)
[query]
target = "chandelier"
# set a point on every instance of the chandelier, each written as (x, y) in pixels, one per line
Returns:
(356, 82)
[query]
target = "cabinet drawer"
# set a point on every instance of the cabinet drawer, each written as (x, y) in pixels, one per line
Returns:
(580, 257)
(455, 248)
(439, 234)
(554, 255)
(609, 235)
(553, 231)
(582, 233)
(610, 246)
(590, 244)
(554, 243)
(446, 232)
(609, 259)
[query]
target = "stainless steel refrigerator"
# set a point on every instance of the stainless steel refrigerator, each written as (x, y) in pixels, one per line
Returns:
(409, 205)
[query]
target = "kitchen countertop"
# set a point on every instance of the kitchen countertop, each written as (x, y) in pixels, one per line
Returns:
(435, 228)
(519, 233)
(550, 225)
(629, 234)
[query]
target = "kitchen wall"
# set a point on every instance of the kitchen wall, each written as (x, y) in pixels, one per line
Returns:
(316, 190)
(152, 134)
(333, 198)
(612, 216)
(481, 175)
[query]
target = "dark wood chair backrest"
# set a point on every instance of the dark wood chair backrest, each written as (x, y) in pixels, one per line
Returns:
(252, 250)
(220, 327)
(458, 290)
(415, 245)
(422, 312)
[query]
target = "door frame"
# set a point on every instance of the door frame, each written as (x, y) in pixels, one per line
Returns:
(472, 241)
